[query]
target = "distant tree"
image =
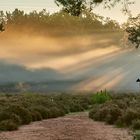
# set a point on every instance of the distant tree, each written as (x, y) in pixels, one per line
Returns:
(133, 30)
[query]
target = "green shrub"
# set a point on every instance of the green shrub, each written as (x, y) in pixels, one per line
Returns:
(93, 113)
(76, 107)
(22, 112)
(56, 112)
(136, 124)
(137, 135)
(98, 113)
(8, 125)
(16, 119)
(6, 115)
(36, 116)
(101, 97)
(44, 112)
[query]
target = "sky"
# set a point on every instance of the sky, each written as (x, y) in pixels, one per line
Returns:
(29, 5)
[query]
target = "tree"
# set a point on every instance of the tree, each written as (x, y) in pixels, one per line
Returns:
(2, 25)
(133, 30)
(75, 7)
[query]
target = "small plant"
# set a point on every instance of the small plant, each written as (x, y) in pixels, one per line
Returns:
(101, 97)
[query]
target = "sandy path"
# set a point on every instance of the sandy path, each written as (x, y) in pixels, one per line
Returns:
(71, 127)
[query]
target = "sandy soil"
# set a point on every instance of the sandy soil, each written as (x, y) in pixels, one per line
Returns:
(70, 127)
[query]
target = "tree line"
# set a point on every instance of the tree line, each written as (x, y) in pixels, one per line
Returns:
(76, 15)
(60, 21)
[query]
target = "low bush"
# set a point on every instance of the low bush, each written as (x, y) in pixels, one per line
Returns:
(44, 112)
(22, 112)
(136, 124)
(8, 125)
(6, 115)
(56, 112)
(36, 116)
(107, 112)
(129, 115)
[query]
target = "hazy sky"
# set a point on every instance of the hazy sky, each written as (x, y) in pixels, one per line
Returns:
(29, 5)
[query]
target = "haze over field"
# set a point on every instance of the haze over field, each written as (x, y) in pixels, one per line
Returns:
(89, 62)
(65, 50)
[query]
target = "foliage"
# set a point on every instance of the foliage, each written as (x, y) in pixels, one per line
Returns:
(2, 21)
(60, 23)
(44, 112)
(122, 110)
(137, 135)
(8, 125)
(136, 124)
(76, 7)
(36, 116)
(133, 30)
(107, 112)
(73, 7)
(19, 109)
(101, 97)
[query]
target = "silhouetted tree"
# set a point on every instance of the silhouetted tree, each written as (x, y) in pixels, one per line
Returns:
(75, 7)
(133, 30)
(2, 22)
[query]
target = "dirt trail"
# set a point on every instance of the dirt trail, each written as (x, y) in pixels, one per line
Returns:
(70, 127)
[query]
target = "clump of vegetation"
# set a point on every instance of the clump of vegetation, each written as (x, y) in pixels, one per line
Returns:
(101, 97)
(136, 124)
(121, 110)
(8, 125)
(22, 112)
(107, 112)
(19, 109)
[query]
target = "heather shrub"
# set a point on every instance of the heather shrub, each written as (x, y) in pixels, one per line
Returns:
(36, 116)
(113, 113)
(136, 124)
(22, 112)
(56, 112)
(129, 116)
(6, 115)
(45, 113)
(8, 125)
